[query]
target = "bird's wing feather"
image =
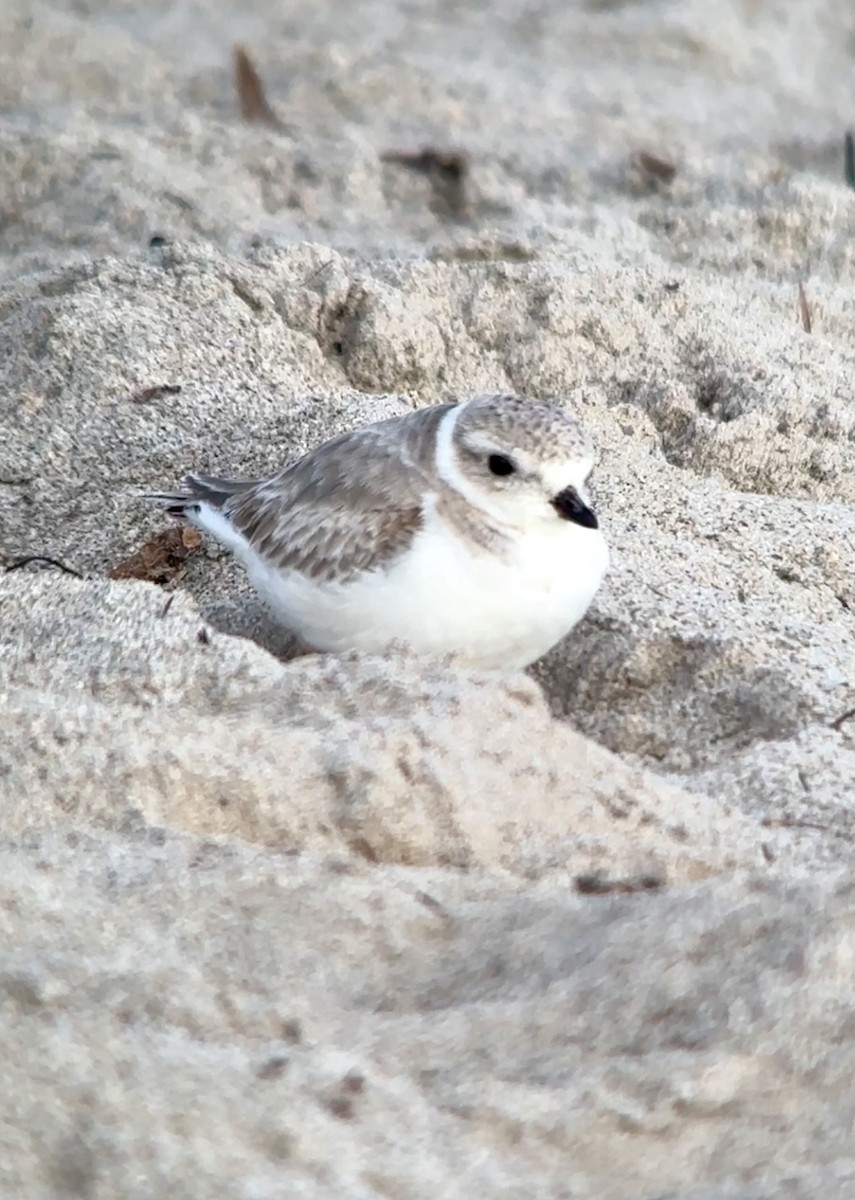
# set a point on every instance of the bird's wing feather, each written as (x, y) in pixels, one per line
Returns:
(351, 505)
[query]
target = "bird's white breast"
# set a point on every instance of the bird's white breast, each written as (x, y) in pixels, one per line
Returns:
(447, 595)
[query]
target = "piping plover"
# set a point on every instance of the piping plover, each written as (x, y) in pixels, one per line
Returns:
(460, 528)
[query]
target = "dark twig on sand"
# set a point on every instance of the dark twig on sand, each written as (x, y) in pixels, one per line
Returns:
(594, 884)
(840, 721)
(45, 560)
(804, 310)
(788, 822)
(849, 159)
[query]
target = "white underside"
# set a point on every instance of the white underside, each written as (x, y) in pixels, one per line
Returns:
(442, 596)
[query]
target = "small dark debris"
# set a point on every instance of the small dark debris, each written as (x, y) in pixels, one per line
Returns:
(341, 1107)
(254, 106)
(653, 169)
(849, 159)
(146, 395)
(156, 241)
(673, 285)
(804, 310)
(340, 866)
(595, 884)
(840, 721)
(768, 852)
(179, 201)
(451, 164)
(170, 600)
(44, 560)
(203, 637)
(788, 822)
(246, 295)
(447, 170)
(292, 1031)
(354, 1083)
(364, 848)
(162, 559)
(274, 1068)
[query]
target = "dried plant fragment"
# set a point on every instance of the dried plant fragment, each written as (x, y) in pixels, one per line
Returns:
(163, 558)
(593, 883)
(453, 164)
(43, 560)
(253, 102)
(447, 170)
(651, 171)
(146, 395)
(274, 1068)
(790, 822)
(804, 310)
(840, 721)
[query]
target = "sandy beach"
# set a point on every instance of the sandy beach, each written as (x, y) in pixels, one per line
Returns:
(349, 927)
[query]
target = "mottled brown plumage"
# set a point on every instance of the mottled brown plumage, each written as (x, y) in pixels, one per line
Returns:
(354, 503)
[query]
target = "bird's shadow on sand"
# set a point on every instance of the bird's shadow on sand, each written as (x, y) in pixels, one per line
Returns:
(249, 620)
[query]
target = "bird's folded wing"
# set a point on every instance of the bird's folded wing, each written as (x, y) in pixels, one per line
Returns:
(353, 505)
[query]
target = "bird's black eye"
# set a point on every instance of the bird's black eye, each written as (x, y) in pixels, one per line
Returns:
(500, 465)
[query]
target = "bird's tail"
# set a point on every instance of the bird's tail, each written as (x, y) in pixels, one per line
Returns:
(196, 490)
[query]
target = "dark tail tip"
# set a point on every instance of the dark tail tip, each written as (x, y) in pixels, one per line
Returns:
(181, 510)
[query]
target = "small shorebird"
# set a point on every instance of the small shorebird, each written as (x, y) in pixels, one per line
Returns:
(460, 528)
